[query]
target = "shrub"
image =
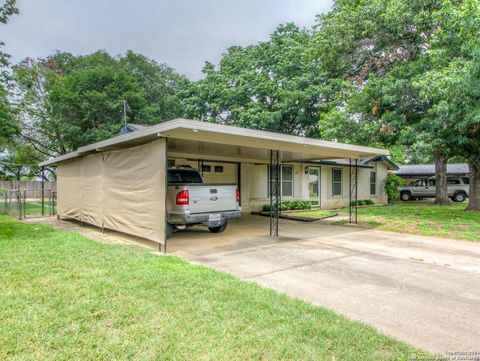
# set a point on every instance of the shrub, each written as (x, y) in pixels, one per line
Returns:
(290, 205)
(363, 202)
(392, 182)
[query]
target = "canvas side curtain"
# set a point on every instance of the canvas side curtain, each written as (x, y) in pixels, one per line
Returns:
(69, 189)
(92, 189)
(123, 190)
(134, 190)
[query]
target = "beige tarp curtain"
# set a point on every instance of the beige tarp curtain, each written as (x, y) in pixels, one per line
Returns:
(123, 190)
(91, 188)
(68, 189)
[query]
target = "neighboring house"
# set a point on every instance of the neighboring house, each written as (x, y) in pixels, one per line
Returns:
(323, 183)
(411, 172)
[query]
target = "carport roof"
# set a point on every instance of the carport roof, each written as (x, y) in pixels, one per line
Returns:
(211, 133)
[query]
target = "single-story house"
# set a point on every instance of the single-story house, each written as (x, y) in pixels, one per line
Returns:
(120, 183)
(412, 172)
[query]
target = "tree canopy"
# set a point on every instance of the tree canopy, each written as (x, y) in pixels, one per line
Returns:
(66, 101)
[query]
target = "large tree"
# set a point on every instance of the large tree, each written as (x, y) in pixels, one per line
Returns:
(452, 85)
(8, 127)
(272, 85)
(382, 48)
(66, 101)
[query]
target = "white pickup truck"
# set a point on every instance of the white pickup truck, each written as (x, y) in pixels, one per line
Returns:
(191, 202)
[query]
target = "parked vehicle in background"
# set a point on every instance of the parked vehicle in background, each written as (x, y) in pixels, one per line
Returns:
(192, 202)
(458, 188)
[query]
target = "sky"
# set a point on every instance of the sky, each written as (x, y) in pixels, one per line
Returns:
(182, 33)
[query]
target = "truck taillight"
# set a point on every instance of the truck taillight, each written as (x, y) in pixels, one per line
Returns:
(182, 198)
(237, 195)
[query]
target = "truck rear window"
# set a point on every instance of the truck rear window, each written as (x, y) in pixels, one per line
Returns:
(177, 176)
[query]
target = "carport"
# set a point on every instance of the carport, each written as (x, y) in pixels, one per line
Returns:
(120, 183)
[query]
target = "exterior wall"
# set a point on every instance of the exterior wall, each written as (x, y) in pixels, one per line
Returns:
(254, 183)
(254, 186)
(228, 175)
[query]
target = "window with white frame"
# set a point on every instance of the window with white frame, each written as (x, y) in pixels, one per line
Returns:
(336, 181)
(286, 181)
(373, 183)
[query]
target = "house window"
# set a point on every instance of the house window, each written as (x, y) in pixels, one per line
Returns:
(373, 183)
(286, 181)
(206, 168)
(336, 182)
(219, 169)
(171, 163)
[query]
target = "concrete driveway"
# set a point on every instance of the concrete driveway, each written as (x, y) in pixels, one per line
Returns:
(423, 290)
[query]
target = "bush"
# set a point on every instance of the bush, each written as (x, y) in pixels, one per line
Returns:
(363, 202)
(290, 205)
(392, 182)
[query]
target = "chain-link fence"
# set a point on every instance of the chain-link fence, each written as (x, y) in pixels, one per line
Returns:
(23, 204)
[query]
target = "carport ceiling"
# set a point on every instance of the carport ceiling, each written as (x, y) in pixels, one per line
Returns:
(194, 139)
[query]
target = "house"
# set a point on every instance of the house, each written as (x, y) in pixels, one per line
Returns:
(324, 183)
(120, 183)
(411, 172)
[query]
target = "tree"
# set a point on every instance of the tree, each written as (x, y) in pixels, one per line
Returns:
(19, 161)
(66, 101)
(161, 84)
(453, 84)
(382, 48)
(8, 127)
(6, 11)
(392, 182)
(271, 86)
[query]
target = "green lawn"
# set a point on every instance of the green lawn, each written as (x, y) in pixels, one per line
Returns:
(423, 218)
(65, 297)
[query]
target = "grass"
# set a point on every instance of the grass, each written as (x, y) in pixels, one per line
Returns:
(65, 297)
(423, 218)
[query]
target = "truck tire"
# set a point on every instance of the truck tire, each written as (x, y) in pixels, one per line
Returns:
(170, 229)
(459, 197)
(406, 196)
(218, 229)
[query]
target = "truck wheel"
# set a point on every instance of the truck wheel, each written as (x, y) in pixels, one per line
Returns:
(170, 229)
(459, 197)
(218, 229)
(406, 196)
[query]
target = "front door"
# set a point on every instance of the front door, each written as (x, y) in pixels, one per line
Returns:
(314, 185)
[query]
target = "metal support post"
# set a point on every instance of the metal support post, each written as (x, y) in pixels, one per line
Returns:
(353, 191)
(275, 191)
(42, 174)
(356, 191)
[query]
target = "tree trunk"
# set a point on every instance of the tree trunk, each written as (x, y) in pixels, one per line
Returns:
(441, 188)
(474, 193)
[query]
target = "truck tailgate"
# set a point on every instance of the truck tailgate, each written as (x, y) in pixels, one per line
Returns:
(206, 198)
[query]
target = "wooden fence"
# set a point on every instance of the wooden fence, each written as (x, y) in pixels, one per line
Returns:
(34, 188)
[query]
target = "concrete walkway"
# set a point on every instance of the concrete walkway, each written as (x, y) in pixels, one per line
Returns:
(423, 290)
